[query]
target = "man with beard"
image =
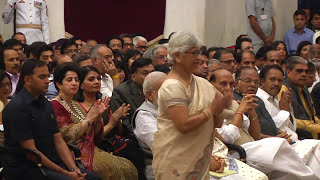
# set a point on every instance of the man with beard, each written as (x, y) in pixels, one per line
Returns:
(304, 112)
(10, 62)
(144, 121)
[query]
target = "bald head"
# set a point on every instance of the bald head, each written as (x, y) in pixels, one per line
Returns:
(222, 80)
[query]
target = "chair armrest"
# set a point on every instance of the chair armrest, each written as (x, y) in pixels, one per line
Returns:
(240, 150)
(77, 154)
(24, 151)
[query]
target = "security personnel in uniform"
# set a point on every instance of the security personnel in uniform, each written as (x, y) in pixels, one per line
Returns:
(31, 19)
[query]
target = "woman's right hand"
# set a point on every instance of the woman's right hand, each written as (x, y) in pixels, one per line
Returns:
(122, 111)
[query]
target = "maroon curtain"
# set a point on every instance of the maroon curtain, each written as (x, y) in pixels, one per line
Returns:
(100, 19)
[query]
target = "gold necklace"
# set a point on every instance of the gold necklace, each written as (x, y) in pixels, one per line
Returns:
(78, 113)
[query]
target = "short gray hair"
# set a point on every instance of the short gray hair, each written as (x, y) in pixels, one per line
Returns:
(140, 38)
(181, 42)
(94, 51)
(155, 49)
(151, 79)
(147, 54)
(214, 61)
(294, 60)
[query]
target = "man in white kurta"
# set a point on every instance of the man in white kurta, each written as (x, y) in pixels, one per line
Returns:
(273, 156)
(31, 19)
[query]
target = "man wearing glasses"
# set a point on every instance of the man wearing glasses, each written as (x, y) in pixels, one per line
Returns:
(69, 48)
(17, 46)
(127, 42)
(159, 55)
(226, 57)
(140, 44)
(115, 43)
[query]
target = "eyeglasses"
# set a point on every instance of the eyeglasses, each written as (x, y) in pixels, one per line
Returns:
(2, 85)
(162, 57)
(71, 51)
(142, 47)
(228, 62)
(194, 54)
(128, 44)
(311, 76)
(249, 81)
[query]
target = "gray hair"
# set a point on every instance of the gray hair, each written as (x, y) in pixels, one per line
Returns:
(151, 79)
(294, 60)
(311, 50)
(214, 61)
(140, 38)
(147, 54)
(94, 50)
(155, 49)
(181, 42)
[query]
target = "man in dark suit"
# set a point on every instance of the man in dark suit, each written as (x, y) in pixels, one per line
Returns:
(304, 112)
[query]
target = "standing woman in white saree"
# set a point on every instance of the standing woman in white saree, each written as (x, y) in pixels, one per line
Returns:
(187, 114)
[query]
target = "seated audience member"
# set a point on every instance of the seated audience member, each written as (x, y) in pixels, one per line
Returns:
(57, 46)
(85, 50)
(37, 130)
(69, 48)
(271, 77)
(5, 90)
(159, 55)
(226, 57)
(115, 43)
(82, 60)
(213, 65)
(147, 54)
(117, 55)
(16, 45)
(128, 59)
(131, 91)
(299, 33)
(304, 112)
(310, 75)
(76, 40)
(238, 129)
(273, 57)
(213, 50)
(202, 70)
(102, 57)
(91, 43)
(121, 70)
(33, 49)
(302, 49)
(10, 62)
(280, 46)
(314, 57)
(45, 53)
(162, 68)
(245, 58)
(244, 44)
(127, 42)
(81, 124)
(315, 20)
(144, 121)
(163, 41)
(140, 43)
(20, 37)
(52, 91)
(260, 57)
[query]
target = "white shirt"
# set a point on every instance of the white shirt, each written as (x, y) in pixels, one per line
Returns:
(14, 80)
(280, 117)
(146, 126)
(29, 12)
(314, 83)
(230, 132)
(106, 86)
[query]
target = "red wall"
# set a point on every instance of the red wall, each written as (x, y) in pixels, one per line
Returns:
(99, 19)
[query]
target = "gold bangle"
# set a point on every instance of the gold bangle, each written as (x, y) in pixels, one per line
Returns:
(116, 76)
(253, 118)
(207, 114)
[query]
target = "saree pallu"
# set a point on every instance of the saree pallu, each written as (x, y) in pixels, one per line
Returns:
(177, 155)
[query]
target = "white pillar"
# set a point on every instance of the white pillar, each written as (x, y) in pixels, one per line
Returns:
(56, 19)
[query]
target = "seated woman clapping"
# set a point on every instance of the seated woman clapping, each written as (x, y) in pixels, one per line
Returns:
(83, 125)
